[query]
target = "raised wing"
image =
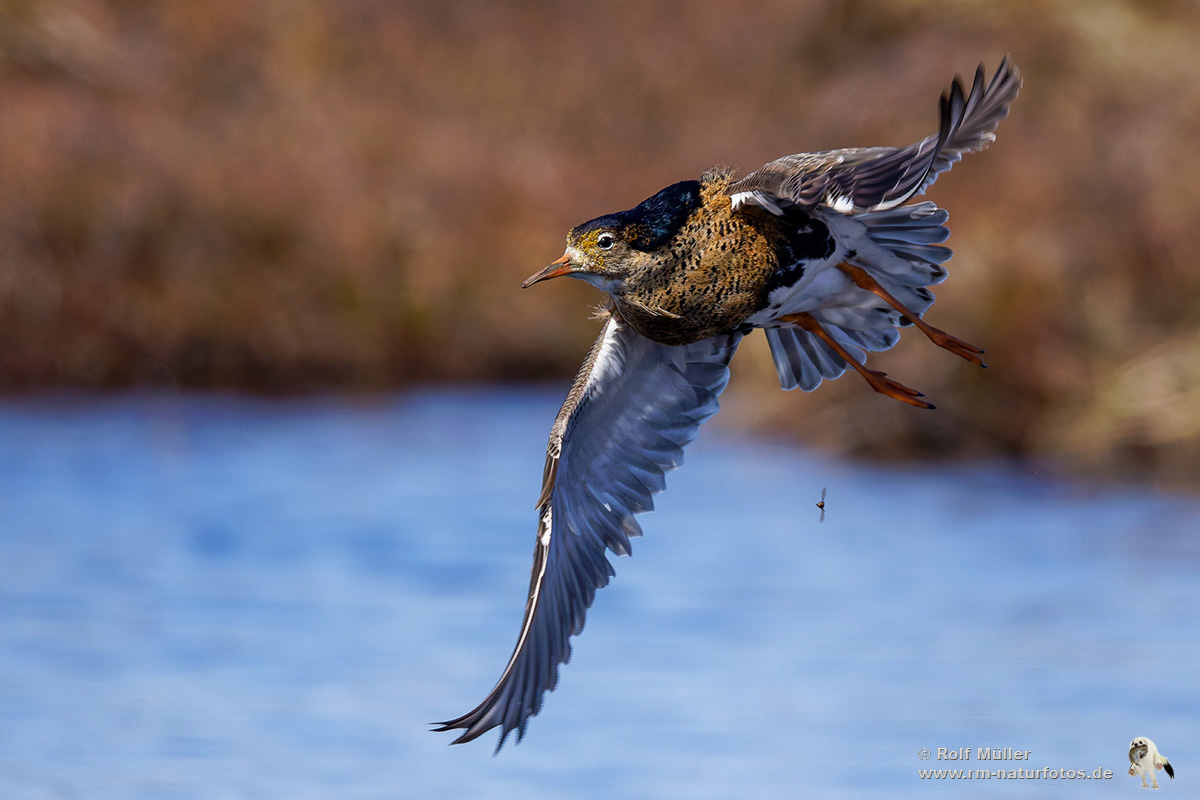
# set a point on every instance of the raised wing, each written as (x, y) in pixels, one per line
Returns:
(879, 178)
(633, 407)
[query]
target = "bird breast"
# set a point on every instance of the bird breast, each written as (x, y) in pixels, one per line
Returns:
(706, 281)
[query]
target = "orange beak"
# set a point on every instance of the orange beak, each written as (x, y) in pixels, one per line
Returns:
(555, 270)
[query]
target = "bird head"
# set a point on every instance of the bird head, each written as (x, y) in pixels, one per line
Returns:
(598, 252)
(608, 250)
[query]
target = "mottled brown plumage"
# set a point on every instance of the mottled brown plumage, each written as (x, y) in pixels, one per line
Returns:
(711, 276)
(712, 270)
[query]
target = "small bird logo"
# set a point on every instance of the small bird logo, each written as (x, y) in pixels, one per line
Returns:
(1144, 759)
(821, 505)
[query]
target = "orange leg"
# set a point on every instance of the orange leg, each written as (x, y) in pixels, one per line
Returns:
(878, 380)
(863, 280)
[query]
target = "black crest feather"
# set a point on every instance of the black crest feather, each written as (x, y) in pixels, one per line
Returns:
(654, 221)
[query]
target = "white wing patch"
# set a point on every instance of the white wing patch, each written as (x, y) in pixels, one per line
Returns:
(843, 204)
(763, 200)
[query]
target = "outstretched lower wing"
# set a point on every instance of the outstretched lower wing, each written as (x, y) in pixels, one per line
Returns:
(878, 178)
(633, 407)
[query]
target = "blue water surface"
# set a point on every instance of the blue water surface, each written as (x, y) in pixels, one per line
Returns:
(220, 597)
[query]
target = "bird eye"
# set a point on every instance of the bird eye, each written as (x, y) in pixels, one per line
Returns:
(605, 241)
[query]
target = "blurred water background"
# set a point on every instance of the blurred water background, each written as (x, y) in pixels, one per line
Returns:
(221, 597)
(273, 407)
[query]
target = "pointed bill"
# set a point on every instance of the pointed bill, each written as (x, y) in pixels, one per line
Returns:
(554, 270)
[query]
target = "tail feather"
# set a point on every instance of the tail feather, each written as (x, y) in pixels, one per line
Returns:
(928, 234)
(900, 250)
(803, 361)
(903, 246)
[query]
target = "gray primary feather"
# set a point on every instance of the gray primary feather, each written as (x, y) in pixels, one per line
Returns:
(633, 408)
(876, 178)
(804, 361)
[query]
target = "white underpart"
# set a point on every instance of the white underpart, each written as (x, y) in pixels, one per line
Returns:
(901, 249)
(825, 289)
(819, 288)
(822, 284)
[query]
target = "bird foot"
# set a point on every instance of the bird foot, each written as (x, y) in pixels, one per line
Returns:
(880, 382)
(863, 280)
(952, 343)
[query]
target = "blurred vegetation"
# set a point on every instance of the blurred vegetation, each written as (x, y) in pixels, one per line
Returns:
(291, 195)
